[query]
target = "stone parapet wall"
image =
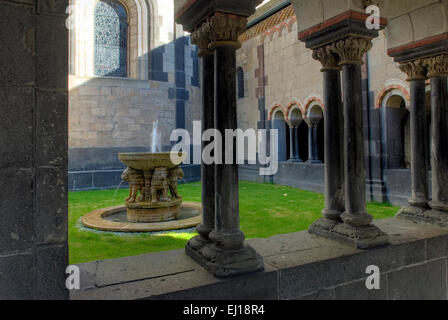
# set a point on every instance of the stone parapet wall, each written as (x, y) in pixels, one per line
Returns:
(297, 266)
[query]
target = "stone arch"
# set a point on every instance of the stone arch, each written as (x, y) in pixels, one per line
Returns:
(393, 90)
(281, 27)
(312, 101)
(291, 23)
(396, 129)
(314, 117)
(278, 122)
(292, 106)
(273, 109)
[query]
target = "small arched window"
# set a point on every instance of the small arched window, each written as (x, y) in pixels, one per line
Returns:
(111, 39)
(240, 76)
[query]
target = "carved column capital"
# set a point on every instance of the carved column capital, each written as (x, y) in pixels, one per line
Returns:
(351, 50)
(437, 66)
(328, 59)
(414, 69)
(201, 38)
(225, 30)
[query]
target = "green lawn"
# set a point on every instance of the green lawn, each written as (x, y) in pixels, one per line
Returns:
(265, 210)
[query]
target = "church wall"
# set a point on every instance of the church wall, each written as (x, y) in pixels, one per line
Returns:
(108, 115)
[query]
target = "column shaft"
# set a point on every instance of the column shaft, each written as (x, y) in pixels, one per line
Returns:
(333, 145)
(315, 150)
(419, 140)
(297, 150)
(310, 143)
(291, 143)
(207, 171)
(354, 165)
(227, 232)
(439, 145)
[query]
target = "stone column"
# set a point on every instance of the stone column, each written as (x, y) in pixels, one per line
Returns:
(201, 38)
(313, 155)
(296, 138)
(228, 256)
(291, 144)
(438, 72)
(418, 203)
(333, 144)
(357, 229)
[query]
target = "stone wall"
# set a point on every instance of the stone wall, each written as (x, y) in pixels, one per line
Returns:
(33, 156)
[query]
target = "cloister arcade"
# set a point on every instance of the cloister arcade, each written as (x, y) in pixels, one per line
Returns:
(34, 242)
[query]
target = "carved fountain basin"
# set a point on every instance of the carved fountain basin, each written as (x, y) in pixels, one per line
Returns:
(152, 176)
(153, 203)
(151, 161)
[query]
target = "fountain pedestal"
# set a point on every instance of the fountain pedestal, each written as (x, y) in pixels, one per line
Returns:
(151, 177)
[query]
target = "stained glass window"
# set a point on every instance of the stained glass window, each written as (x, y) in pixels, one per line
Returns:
(240, 80)
(111, 38)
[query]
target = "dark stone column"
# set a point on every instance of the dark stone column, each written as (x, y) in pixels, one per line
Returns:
(439, 147)
(419, 211)
(357, 229)
(227, 233)
(196, 244)
(313, 157)
(418, 203)
(207, 171)
(228, 255)
(297, 150)
(333, 143)
(291, 144)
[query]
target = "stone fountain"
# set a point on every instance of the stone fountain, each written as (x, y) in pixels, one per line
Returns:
(154, 203)
(151, 176)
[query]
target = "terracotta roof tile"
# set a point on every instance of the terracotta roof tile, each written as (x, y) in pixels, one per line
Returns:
(268, 23)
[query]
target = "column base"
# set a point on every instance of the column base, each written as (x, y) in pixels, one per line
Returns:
(295, 161)
(323, 225)
(314, 162)
(196, 243)
(415, 214)
(225, 263)
(364, 237)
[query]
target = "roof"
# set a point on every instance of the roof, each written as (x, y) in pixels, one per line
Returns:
(266, 8)
(266, 17)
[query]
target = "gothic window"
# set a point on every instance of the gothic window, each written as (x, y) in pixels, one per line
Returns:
(240, 74)
(111, 39)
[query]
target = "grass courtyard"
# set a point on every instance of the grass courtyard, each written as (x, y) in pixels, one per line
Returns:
(265, 210)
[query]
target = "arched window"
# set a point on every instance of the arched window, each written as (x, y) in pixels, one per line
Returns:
(240, 75)
(111, 39)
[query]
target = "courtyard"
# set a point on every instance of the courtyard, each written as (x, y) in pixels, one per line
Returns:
(266, 210)
(350, 97)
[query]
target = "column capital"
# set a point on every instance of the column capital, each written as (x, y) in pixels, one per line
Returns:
(328, 59)
(351, 50)
(437, 66)
(414, 69)
(201, 38)
(225, 30)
